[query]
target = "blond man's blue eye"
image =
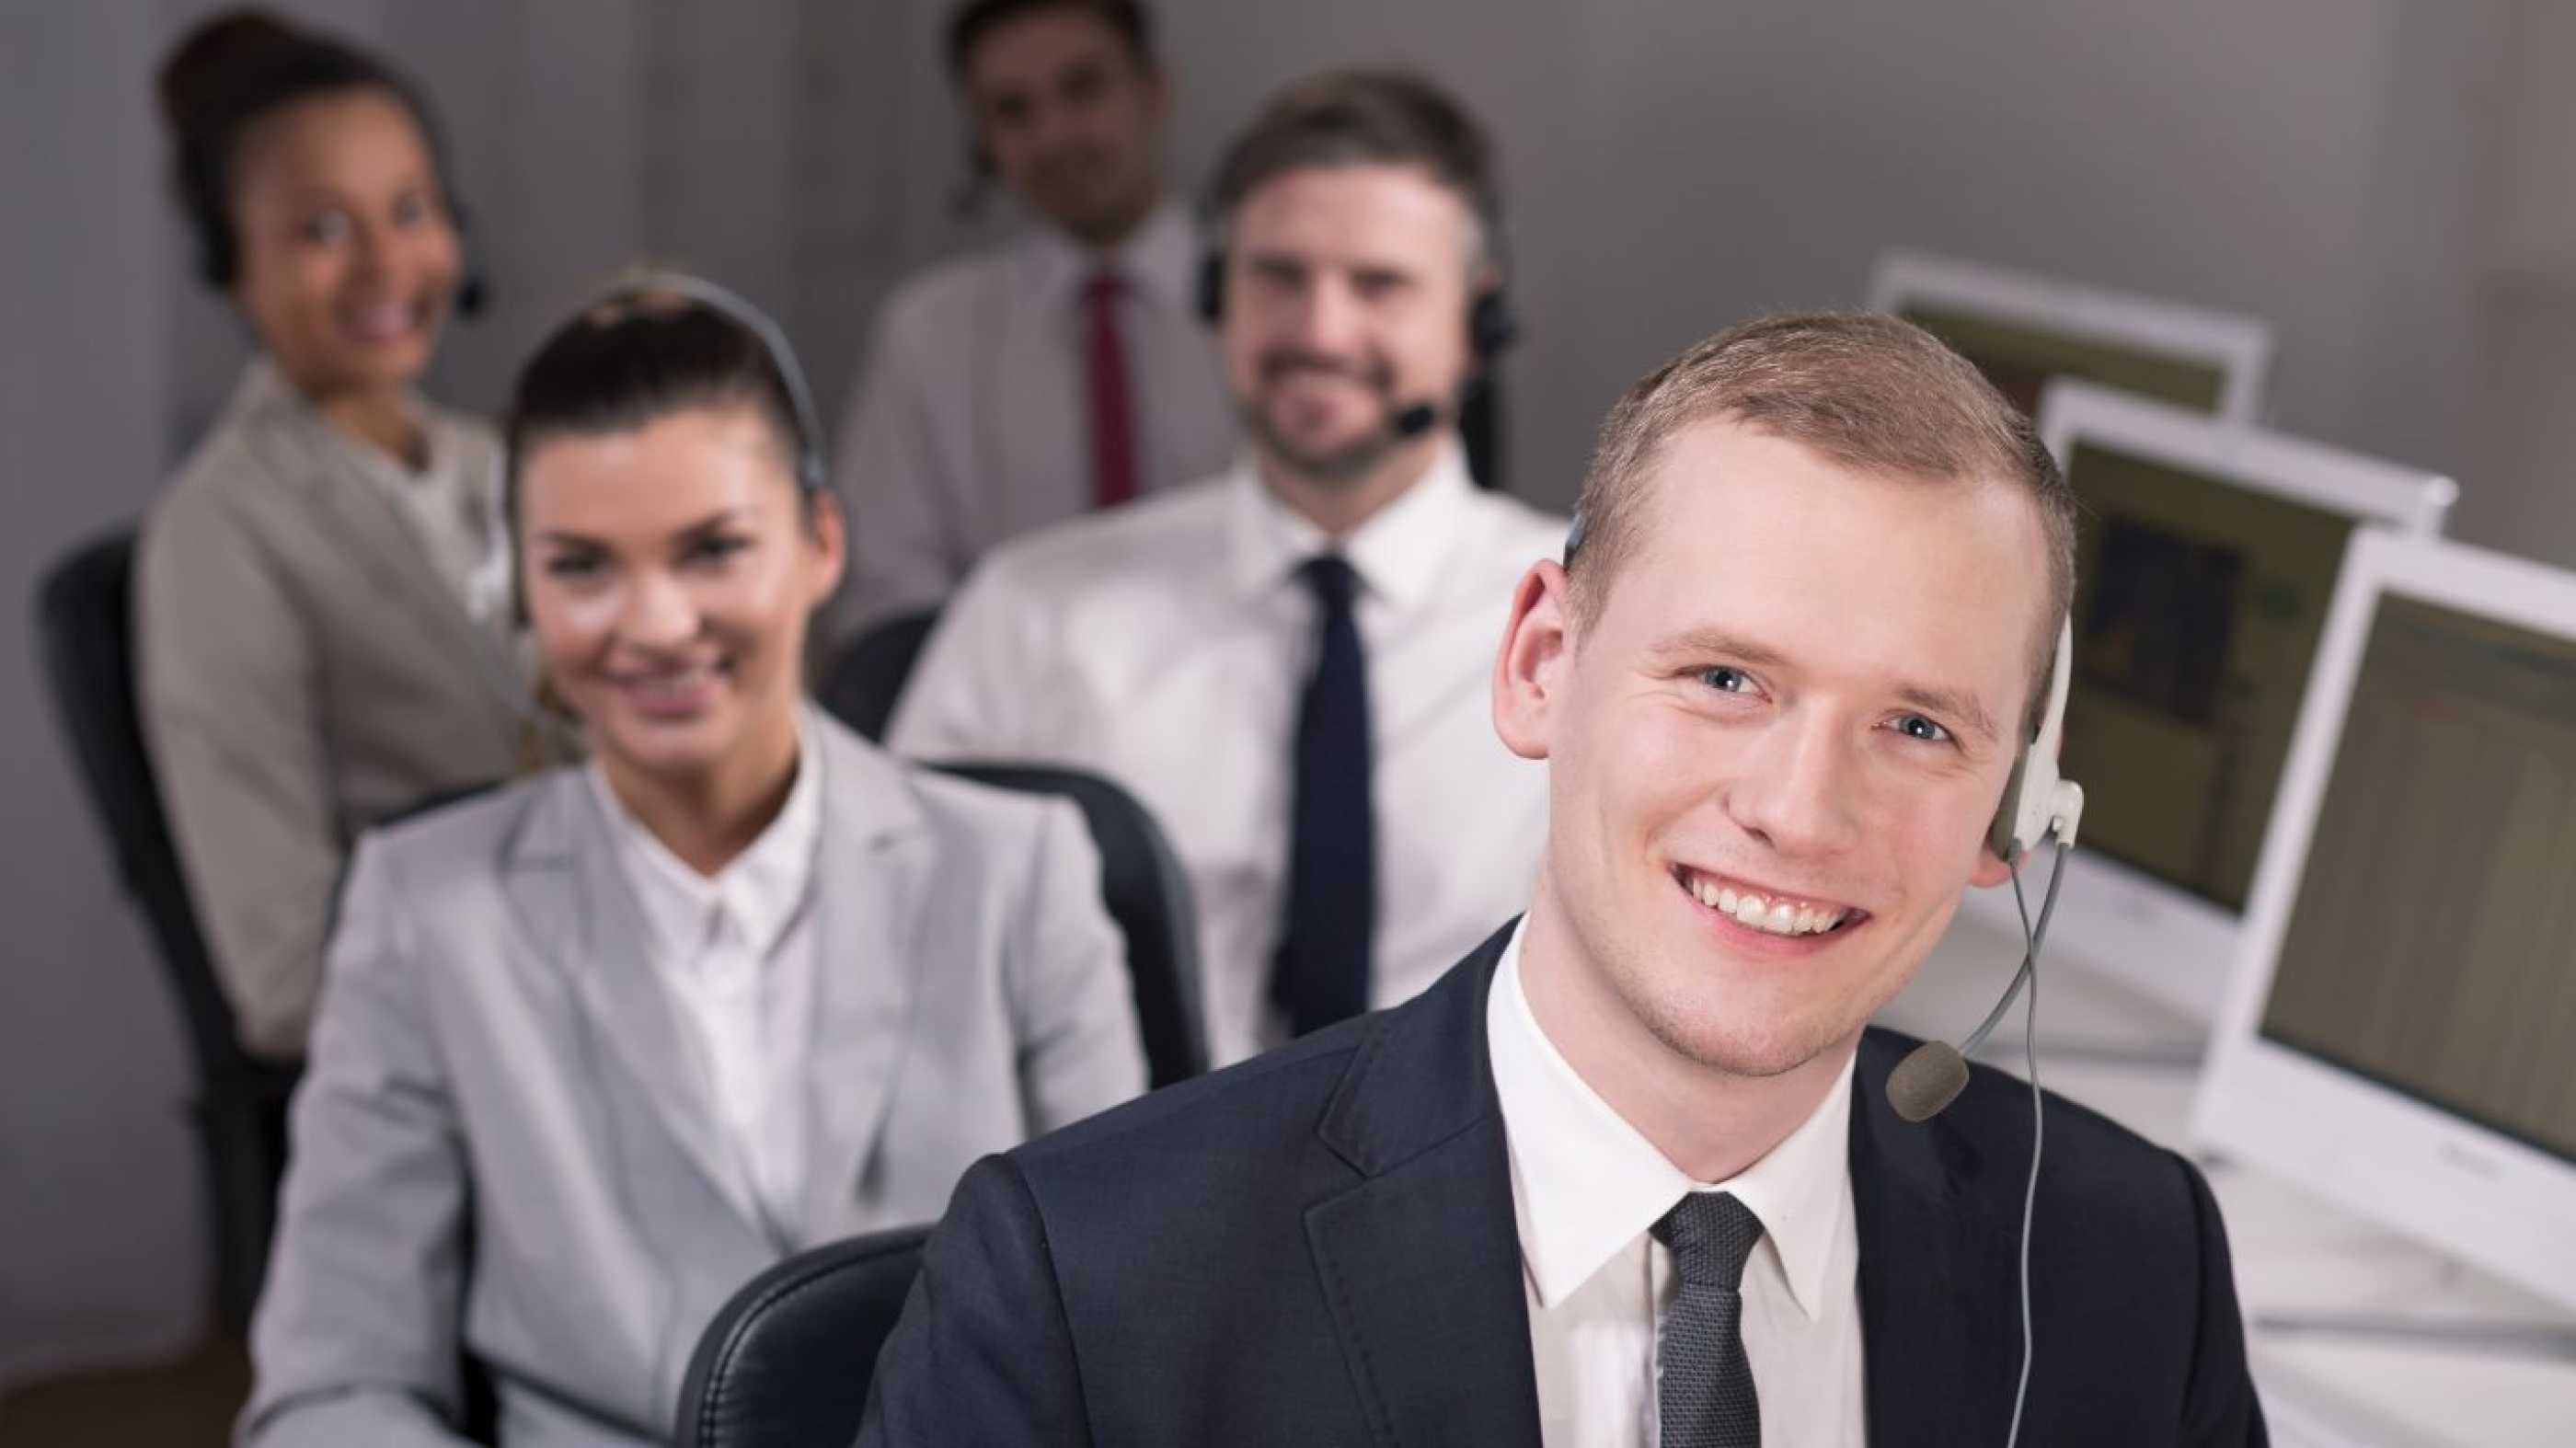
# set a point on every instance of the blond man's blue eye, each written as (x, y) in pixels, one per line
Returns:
(1726, 680)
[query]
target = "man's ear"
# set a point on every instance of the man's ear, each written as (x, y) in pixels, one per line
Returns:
(1991, 870)
(1537, 654)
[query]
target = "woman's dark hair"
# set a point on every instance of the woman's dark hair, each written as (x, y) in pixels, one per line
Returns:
(643, 355)
(239, 68)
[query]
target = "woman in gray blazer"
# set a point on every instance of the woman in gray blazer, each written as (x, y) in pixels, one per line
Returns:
(594, 1050)
(320, 596)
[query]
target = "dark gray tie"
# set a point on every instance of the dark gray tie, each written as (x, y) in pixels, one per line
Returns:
(1703, 1382)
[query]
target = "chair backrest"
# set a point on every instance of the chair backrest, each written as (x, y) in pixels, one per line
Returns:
(861, 686)
(787, 1361)
(84, 615)
(1147, 894)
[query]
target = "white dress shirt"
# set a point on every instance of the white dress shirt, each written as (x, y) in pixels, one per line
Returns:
(737, 952)
(1586, 1187)
(1167, 644)
(971, 422)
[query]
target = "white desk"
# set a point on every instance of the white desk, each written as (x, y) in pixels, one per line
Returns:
(2120, 1054)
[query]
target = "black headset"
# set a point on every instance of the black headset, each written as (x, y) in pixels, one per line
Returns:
(1492, 325)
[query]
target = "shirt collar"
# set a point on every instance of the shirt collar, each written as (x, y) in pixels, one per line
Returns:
(1586, 1184)
(1397, 553)
(1159, 260)
(764, 888)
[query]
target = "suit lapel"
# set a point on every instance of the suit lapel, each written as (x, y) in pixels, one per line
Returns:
(373, 529)
(876, 856)
(1421, 1261)
(566, 884)
(1940, 1311)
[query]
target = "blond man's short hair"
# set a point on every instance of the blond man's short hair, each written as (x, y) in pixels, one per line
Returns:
(1868, 391)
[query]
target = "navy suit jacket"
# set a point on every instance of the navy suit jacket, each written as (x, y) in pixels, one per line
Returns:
(1318, 1247)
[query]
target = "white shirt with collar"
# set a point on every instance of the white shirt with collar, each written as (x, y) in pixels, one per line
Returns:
(1167, 645)
(971, 420)
(738, 953)
(1586, 1187)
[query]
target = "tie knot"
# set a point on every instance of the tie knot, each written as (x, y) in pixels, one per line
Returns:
(1104, 287)
(1710, 1234)
(1331, 579)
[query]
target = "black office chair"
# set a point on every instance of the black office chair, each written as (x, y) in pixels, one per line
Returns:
(863, 684)
(787, 1361)
(1142, 884)
(84, 621)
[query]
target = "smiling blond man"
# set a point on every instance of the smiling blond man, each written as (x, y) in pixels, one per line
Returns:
(1628, 1174)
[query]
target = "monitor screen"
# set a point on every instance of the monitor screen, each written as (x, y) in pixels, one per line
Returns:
(2020, 359)
(2198, 607)
(2431, 945)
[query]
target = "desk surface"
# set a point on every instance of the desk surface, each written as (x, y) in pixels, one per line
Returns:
(2130, 1059)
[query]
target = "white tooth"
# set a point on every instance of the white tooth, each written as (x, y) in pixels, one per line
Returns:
(1828, 921)
(1781, 915)
(1805, 923)
(1748, 910)
(1726, 900)
(1706, 893)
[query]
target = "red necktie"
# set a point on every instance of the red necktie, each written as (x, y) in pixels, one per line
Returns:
(1113, 417)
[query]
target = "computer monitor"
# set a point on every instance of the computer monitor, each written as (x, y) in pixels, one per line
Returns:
(2401, 1033)
(2206, 554)
(2021, 331)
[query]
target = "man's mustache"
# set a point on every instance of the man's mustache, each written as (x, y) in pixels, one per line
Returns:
(1287, 361)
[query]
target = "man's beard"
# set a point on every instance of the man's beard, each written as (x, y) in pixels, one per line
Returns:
(1344, 462)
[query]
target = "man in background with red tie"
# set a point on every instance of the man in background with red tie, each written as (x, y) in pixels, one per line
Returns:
(1287, 662)
(1063, 371)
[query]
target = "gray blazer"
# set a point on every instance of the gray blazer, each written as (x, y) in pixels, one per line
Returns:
(499, 1149)
(305, 671)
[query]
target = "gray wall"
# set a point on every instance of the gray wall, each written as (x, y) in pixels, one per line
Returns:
(97, 1240)
(1677, 164)
(1673, 164)
(2524, 453)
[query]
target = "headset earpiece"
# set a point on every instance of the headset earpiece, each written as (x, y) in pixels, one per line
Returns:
(2037, 803)
(473, 289)
(1492, 326)
(1211, 286)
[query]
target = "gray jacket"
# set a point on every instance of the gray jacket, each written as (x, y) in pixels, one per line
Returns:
(499, 1147)
(305, 671)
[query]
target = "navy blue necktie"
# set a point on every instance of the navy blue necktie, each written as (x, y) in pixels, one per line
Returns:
(1321, 974)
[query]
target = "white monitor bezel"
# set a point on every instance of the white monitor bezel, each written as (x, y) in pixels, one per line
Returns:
(2239, 346)
(2160, 940)
(2471, 1191)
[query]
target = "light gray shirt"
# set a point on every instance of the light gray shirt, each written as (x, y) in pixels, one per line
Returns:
(971, 421)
